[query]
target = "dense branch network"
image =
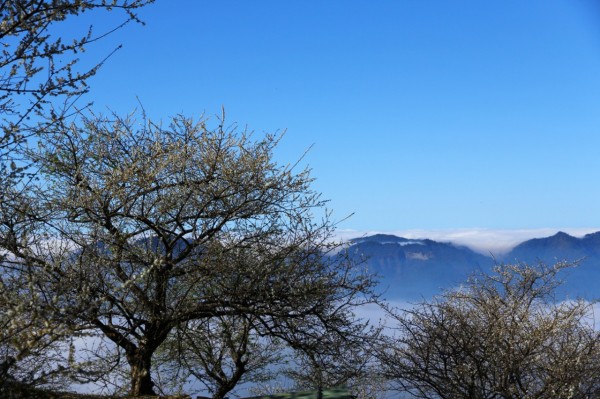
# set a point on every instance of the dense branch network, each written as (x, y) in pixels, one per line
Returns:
(139, 229)
(40, 72)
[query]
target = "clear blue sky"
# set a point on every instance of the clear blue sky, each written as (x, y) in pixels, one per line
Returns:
(423, 114)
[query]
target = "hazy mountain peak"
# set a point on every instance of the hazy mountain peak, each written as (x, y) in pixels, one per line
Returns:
(385, 239)
(592, 236)
(412, 268)
(562, 234)
(558, 241)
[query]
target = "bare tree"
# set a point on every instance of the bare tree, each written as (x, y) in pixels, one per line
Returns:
(40, 73)
(501, 336)
(221, 353)
(40, 78)
(30, 352)
(137, 229)
(331, 360)
(36, 63)
(35, 336)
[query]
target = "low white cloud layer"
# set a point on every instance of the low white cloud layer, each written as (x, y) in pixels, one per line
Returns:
(485, 241)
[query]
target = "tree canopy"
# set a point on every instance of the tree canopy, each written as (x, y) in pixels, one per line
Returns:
(501, 336)
(40, 69)
(40, 80)
(147, 235)
(135, 229)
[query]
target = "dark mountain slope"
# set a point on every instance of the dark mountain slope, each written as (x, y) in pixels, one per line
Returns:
(413, 269)
(558, 247)
(583, 280)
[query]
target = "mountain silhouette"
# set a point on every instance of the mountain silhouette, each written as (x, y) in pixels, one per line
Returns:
(413, 269)
(583, 280)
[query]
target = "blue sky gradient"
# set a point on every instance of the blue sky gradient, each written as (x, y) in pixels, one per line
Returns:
(423, 114)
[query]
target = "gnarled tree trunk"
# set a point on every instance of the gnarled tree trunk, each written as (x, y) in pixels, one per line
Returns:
(140, 362)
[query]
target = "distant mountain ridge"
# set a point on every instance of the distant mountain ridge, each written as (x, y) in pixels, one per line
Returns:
(583, 280)
(420, 268)
(560, 246)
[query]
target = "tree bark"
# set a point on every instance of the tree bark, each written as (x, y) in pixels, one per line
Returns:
(226, 385)
(140, 362)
